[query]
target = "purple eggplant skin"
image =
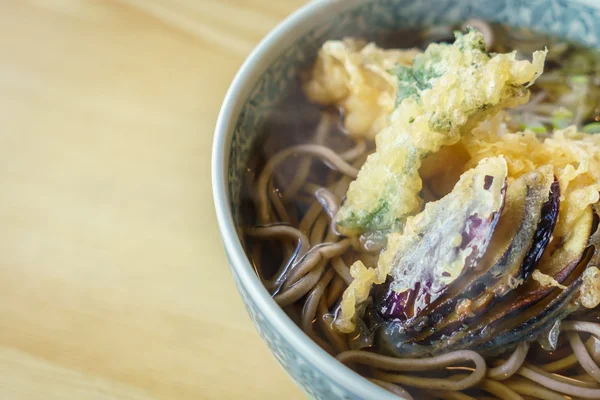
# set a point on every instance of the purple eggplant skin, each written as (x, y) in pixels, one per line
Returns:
(392, 305)
(497, 334)
(502, 264)
(555, 306)
(494, 283)
(558, 309)
(566, 261)
(532, 304)
(476, 236)
(490, 340)
(408, 305)
(545, 227)
(445, 241)
(594, 240)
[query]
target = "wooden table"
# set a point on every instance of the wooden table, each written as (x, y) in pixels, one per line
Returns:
(113, 281)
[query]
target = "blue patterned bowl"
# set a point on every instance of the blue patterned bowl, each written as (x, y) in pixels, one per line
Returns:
(271, 71)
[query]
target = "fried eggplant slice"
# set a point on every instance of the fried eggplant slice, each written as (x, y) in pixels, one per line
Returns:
(527, 324)
(564, 261)
(502, 267)
(445, 241)
(557, 262)
(492, 334)
(449, 237)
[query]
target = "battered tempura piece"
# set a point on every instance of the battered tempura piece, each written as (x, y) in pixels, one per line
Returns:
(354, 76)
(448, 236)
(448, 90)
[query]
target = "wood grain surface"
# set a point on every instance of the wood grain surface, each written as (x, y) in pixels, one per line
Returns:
(113, 281)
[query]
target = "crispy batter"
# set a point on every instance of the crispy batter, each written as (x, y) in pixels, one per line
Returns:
(353, 76)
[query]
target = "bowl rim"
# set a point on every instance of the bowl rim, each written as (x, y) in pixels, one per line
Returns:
(254, 65)
(234, 100)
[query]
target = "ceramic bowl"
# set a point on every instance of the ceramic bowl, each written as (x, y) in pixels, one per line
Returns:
(271, 72)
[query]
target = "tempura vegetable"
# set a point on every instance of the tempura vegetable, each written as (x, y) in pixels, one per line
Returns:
(437, 245)
(354, 76)
(448, 90)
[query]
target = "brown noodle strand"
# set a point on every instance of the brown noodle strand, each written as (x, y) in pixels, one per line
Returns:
(300, 288)
(310, 217)
(591, 383)
(335, 290)
(420, 364)
(492, 387)
(304, 168)
(328, 201)
(332, 177)
(450, 395)
(584, 380)
(429, 383)
(310, 261)
(581, 326)
(355, 152)
(324, 345)
(332, 236)
(312, 302)
(395, 389)
(550, 382)
(514, 362)
(585, 360)
(325, 153)
(411, 364)
(325, 319)
(275, 284)
(593, 347)
(292, 211)
(560, 365)
(288, 253)
(277, 231)
(313, 257)
(342, 270)
(277, 204)
(528, 388)
(341, 187)
(288, 248)
(255, 253)
(256, 257)
(318, 230)
(499, 389)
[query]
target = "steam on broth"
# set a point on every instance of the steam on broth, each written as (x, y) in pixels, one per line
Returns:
(427, 212)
